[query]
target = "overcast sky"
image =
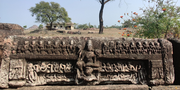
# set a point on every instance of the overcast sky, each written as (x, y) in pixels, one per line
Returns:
(80, 11)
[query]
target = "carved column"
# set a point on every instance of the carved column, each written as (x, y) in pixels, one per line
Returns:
(167, 61)
(4, 69)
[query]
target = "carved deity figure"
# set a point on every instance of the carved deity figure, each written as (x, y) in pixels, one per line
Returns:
(41, 48)
(125, 48)
(139, 48)
(157, 47)
(111, 47)
(71, 48)
(109, 68)
(19, 49)
(56, 47)
(105, 48)
(14, 48)
(151, 48)
(133, 48)
(145, 47)
(64, 48)
(86, 64)
(32, 75)
(68, 67)
(118, 47)
(16, 69)
(49, 47)
(26, 47)
(33, 46)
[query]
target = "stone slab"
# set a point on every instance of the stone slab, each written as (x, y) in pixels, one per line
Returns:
(169, 87)
(99, 87)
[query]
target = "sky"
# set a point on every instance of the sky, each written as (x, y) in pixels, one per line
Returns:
(80, 11)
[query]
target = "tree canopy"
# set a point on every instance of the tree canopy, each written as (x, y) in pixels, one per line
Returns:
(49, 13)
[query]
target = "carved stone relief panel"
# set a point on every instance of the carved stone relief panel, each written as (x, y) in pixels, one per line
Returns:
(50, 72)
(123, 71)
(85, 61)
(17, 72)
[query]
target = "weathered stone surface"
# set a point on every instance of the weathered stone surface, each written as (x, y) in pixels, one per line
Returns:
(7, 29)
(168, 87)
(176, 59)
(32, 61)
(99, 87)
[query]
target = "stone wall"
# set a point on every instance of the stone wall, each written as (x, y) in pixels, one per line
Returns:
(176, 59)
(31, 61)
(7, 29)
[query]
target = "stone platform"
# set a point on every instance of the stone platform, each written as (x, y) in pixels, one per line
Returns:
(98, 87)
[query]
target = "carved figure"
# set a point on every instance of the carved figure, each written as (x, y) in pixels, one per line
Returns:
(14, 48)
(125, 48)
(139, 48)
(133, 48)
(71, 48)
(84, 70)
(16, 70)
(41, 48)
(145, 47)
(118, 47)
(49, 47)
(157, 47)
(151, 48)
(32, 75)
(111, 47)
(56, 48)
(19, 49)
(68, 67)
(105, 49)
(26, 47)
(64, 48)
(33, 46)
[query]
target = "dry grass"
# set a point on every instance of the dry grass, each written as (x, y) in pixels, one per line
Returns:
(111, 32)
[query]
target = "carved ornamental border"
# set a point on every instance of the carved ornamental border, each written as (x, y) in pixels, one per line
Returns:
(31, 61)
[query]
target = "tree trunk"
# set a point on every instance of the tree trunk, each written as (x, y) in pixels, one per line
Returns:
(101, 18)
(51, 25)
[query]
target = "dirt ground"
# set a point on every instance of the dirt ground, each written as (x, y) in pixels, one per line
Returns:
(111, 32)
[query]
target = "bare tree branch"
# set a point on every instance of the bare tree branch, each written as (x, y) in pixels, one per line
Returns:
(106, 1)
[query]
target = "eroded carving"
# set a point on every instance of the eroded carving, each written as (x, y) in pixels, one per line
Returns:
(90, 61)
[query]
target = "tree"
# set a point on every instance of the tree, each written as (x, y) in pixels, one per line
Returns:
(49, 13)
(40, 26)
(25, 26)
(103, 2)
(160, 21)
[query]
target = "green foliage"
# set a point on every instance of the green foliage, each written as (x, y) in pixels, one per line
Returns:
(161, 21)
(49, 13)
(40, 26)
(127, 23)
(25, 26)
(82, 26)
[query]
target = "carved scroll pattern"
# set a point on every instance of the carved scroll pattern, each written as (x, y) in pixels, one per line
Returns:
(124, 71)
(40, 73)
